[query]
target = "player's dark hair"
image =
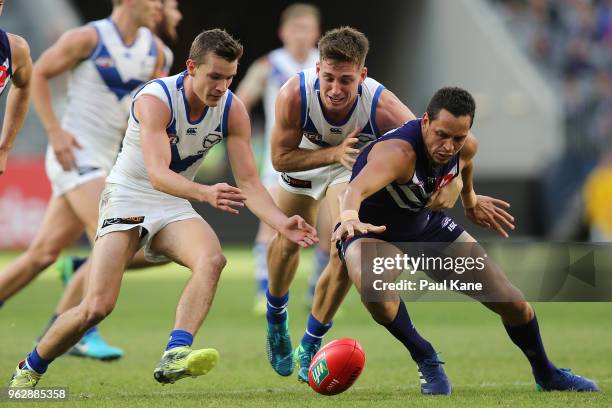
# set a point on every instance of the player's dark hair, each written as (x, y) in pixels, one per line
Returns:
(456, 100)
(344, 44)
(299, 10)
(217, 41)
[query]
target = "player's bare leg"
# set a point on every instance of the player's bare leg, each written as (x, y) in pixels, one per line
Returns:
(391, 313)
(109, 258)
(283, 259)
(194, 244)
(84, 199)
(520, 322)
(325, 225)
(60, 228)
(264, 236)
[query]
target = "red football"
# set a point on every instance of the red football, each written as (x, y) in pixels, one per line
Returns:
(336, 366)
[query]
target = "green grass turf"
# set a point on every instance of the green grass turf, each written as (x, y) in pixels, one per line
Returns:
(485, 368)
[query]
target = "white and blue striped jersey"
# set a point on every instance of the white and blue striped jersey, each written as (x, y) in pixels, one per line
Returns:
(189, 141)
(6, 62)
(320, 132)
(100, 90)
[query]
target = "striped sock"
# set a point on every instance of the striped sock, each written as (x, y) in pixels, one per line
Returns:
(315, 330)
(277, 308)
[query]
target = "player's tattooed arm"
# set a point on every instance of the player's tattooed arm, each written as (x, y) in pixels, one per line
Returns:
(72, 47)
(485, 211)
(287, 156)
(251, 88)
(18, 97)
(258, 199)
(388, 161)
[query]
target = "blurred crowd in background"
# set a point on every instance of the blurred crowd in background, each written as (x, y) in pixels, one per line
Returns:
(570, 41)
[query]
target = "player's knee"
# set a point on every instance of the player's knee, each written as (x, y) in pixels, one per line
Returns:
(518, 312)
(97, 309)
(210, 264)
(43, 254)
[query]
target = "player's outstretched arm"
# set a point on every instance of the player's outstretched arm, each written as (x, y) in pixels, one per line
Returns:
(154, 115)
(18, 96)
(485, 211)
(71, 48)
(287, 156)
(258, 199)
(388, 161)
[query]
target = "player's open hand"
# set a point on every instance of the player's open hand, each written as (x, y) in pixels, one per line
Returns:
(224, 197)
(346, 154)
(299, 231)
(488, 213)
(446, 196)
(63, 142)
(348, 229)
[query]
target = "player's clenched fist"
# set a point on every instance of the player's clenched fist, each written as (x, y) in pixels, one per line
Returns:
(224, 197)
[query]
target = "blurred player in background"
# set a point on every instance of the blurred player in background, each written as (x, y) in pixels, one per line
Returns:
(299, 31)
(107, 60)
(324, 116)
(16, 67)
(386, 203)
(174, 122)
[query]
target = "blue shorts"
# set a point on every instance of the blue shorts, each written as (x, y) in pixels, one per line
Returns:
(438, 228)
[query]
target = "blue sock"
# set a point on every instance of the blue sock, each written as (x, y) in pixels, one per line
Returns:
(77, 262)
(179, 338)
(91, 330)
(403, 330)
(315, 330)
(277, 308)
(37, 363)
(260, 250)
(321, 261)
(527, 338)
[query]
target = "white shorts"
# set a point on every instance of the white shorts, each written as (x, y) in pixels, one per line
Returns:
(123, 208)
(314, 183)
(64, 181)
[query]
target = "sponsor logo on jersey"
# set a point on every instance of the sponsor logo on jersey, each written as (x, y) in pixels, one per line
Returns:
(336, 131)
(192, 131)
(105, 62)
(297, 183)
(313, 137)
(127, 220)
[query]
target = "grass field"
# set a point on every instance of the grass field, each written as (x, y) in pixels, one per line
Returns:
(485, 367)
